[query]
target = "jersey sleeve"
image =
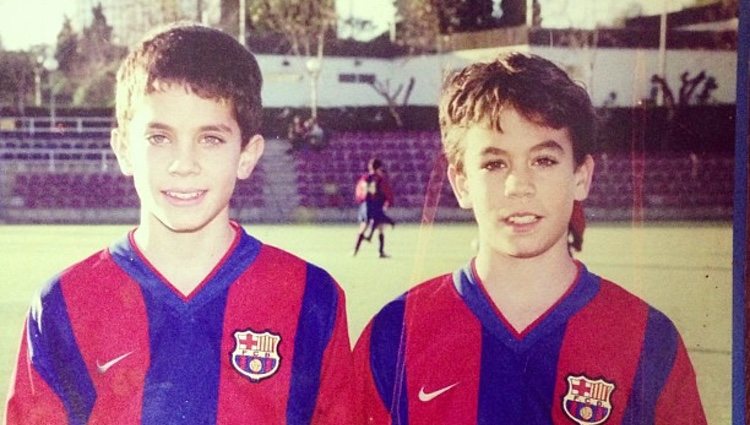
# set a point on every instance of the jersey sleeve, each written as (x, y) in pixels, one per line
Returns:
(679, 402)
(337, 403)
(379, 361)
(372, 408)
(31, 400)
(51, 383)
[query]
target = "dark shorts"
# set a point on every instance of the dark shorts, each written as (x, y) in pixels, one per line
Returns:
(374, 212)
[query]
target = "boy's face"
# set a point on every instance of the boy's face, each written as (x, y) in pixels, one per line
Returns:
(521, 184)
(185, 154)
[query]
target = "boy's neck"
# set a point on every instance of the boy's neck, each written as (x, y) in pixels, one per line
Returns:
(523, 289)
(184, 258)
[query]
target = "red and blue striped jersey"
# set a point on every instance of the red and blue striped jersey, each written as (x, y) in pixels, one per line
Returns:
(442, 353)
(262, 340)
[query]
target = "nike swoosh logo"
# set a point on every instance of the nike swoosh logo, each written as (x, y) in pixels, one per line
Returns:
(103, 368)
(425, 397)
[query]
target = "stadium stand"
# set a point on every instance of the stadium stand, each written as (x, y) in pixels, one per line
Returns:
(50, 175)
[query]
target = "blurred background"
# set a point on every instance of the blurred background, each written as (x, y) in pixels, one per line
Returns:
(661, 73)
(363, 77)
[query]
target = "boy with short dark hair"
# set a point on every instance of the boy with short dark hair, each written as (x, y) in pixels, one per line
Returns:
(524, 333)
(188, 319)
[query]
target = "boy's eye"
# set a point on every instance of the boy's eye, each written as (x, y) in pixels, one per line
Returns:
(493, 165)
(157, 139)
(212, 140)
(545, 161)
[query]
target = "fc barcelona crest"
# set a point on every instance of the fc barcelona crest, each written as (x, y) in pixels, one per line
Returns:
(587, 401)
(256, 354)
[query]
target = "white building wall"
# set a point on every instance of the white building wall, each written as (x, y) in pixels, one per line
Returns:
(626, 72)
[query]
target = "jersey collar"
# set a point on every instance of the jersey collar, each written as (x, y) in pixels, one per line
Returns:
(241, 254)
(471, 290)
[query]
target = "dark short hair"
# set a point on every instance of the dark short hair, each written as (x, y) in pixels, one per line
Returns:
(207, 61)
(375, 164)
(533, 86)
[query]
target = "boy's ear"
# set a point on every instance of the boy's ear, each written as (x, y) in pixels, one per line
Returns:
(459, 186)
(583, 176)
(120, 148)
(249, 156)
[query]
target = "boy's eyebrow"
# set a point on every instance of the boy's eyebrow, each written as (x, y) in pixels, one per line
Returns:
(547, 144)
(211, 127)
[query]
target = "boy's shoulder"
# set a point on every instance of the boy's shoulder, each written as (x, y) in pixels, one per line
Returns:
(83, 280)
(438, 293)
(613, 295)
(277, 263)
(281, 257)
(625, 309)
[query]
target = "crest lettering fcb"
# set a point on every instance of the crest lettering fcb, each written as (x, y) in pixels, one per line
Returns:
(587, 401)
(256, 354)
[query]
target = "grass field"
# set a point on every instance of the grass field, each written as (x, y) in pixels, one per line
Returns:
(684, 269)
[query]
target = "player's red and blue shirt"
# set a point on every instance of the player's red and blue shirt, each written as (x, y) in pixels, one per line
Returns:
(442, 353)
(262, 340)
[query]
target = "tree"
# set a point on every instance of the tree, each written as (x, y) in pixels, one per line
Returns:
(304, 24)
(514, 13)
(66, 52)
(391, 97)
(423, 23)
(464, 15)
(96, 43)
(98, 90)
(16, 78)
(418, 25)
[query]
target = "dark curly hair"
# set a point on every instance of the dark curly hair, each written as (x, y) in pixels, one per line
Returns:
(533, 86)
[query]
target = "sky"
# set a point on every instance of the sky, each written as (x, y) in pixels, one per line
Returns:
(24, 23)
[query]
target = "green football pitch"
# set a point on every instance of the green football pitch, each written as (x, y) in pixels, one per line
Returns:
(683, 269)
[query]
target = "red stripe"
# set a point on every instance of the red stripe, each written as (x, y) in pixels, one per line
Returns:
(107, 314)
(443, 347)
(267, 297)
(373, 410)
(603, 341)
(679, 402)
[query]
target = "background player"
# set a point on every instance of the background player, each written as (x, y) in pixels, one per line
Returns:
(374, 195)
(187, 319)
(523, 334)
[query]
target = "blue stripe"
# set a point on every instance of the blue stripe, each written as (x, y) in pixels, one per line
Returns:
(387, 344)
(654, 366)
(740, 242)
(56, 357)
(314, 331)
(182, 383)
(518, 387)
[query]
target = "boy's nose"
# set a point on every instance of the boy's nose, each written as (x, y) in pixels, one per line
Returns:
(184, 162)
(518, 184)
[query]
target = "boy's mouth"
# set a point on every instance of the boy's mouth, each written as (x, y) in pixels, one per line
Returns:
(185, 196)
(522, 218)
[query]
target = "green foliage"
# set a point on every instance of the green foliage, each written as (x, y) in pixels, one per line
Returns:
(98, 90)
(304, 23)
(424, 23)
(66, 52)
(16, 78)
(87, 62)
(419, 26)
(95, 46)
